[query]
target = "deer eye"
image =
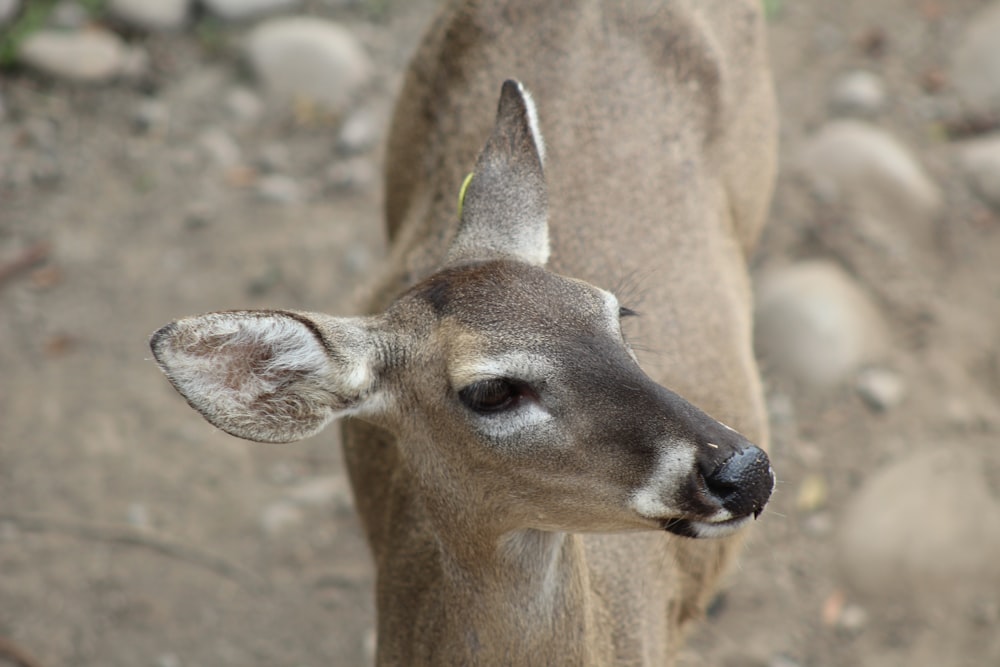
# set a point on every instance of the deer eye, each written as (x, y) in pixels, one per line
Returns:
(493, 395)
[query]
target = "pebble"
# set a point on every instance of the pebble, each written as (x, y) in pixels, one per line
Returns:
(89, 56)
(360, 132)
(980, 161)
(279, 517)
(881, 388)
(241, 10)
(279, 189)
(138, 516)
(152, 15)
(924, 524)
(975, 65)
(853, 163)
(220, 148)
(168, 660)
(151, 116)
(274, 157)
(858, 93)
(8, 8)
(357, 173)
(328, 491)
(308, 59)
(244, 105)
(815, 322)
(67, 15)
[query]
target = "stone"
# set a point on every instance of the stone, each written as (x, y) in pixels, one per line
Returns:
(308, 59)
(279, 517)
(855, 164)
(67, 15)
(328, 491)
(152, 15)
(360, 132)
(244, 105)
(925, 524)
(220, 147)
(88, 56)
(857, 93)
(980, 162)
(815, 322)
(356, 173)
(881, 388)
(8, 9)
(242, 10)
(975, 64)
(151, 116)
(279, 189)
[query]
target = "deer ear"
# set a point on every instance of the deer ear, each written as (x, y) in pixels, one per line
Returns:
(504, 207)
(269, 376)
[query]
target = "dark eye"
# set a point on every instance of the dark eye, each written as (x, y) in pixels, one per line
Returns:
(627, 312)
(493, 395)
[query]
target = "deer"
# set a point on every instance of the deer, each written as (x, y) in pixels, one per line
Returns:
(536, 486)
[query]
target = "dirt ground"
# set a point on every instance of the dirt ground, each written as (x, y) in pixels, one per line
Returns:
(133, 534)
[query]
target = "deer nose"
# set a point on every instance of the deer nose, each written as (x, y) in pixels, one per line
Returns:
(743, 482)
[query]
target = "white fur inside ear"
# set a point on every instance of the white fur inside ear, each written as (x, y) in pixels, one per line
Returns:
(536, 132)
(262, 376)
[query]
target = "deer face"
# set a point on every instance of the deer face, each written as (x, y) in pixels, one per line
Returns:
(510, 389)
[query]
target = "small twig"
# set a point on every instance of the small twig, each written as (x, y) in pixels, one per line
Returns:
(30, 256)
(15, 655)
(122, 534)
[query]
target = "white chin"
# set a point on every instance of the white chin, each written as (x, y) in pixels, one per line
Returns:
(705, 529)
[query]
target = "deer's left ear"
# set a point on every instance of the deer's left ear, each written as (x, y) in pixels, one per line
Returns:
(504, 207)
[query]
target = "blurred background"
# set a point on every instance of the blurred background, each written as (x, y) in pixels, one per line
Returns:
(168, 157)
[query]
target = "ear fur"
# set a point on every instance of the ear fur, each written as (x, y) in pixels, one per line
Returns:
(269, 376)
(504, 211)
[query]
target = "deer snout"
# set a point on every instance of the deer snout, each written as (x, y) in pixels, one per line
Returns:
(743, 482)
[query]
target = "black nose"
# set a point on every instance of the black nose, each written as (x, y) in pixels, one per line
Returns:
(743, 482)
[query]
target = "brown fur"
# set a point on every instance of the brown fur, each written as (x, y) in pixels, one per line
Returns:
(660, 127)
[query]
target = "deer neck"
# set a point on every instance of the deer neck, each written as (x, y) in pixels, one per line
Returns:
(530, 595)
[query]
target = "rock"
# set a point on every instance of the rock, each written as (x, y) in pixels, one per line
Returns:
(279, 517)
(241, 10)
(880, 388)
(980, 161)
(328, 491)
(138, 516)
(304, 58)
(924, 524)
(857, 93)
(813, 321)
(8, 9)
(975, 65)
(244, 105)
(67, 15)
(855, 164)
(168, 660)
(220, 148)
(357, 173)
(360, 131)
(151, 116)
(279, 189)
(89, 56)
(273, 158)
(153, 15)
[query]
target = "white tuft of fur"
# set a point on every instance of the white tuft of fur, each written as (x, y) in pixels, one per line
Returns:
(261, 375)
(675, 465)
(536, 132)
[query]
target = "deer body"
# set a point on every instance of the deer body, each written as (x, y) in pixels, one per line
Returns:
(529, 490)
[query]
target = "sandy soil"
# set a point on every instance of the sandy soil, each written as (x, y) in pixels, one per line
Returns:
(132, 533)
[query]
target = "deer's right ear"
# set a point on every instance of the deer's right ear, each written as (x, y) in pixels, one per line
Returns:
(270, 376)
(504, 207)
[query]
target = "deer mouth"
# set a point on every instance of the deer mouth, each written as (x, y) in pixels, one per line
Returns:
(706, 529)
